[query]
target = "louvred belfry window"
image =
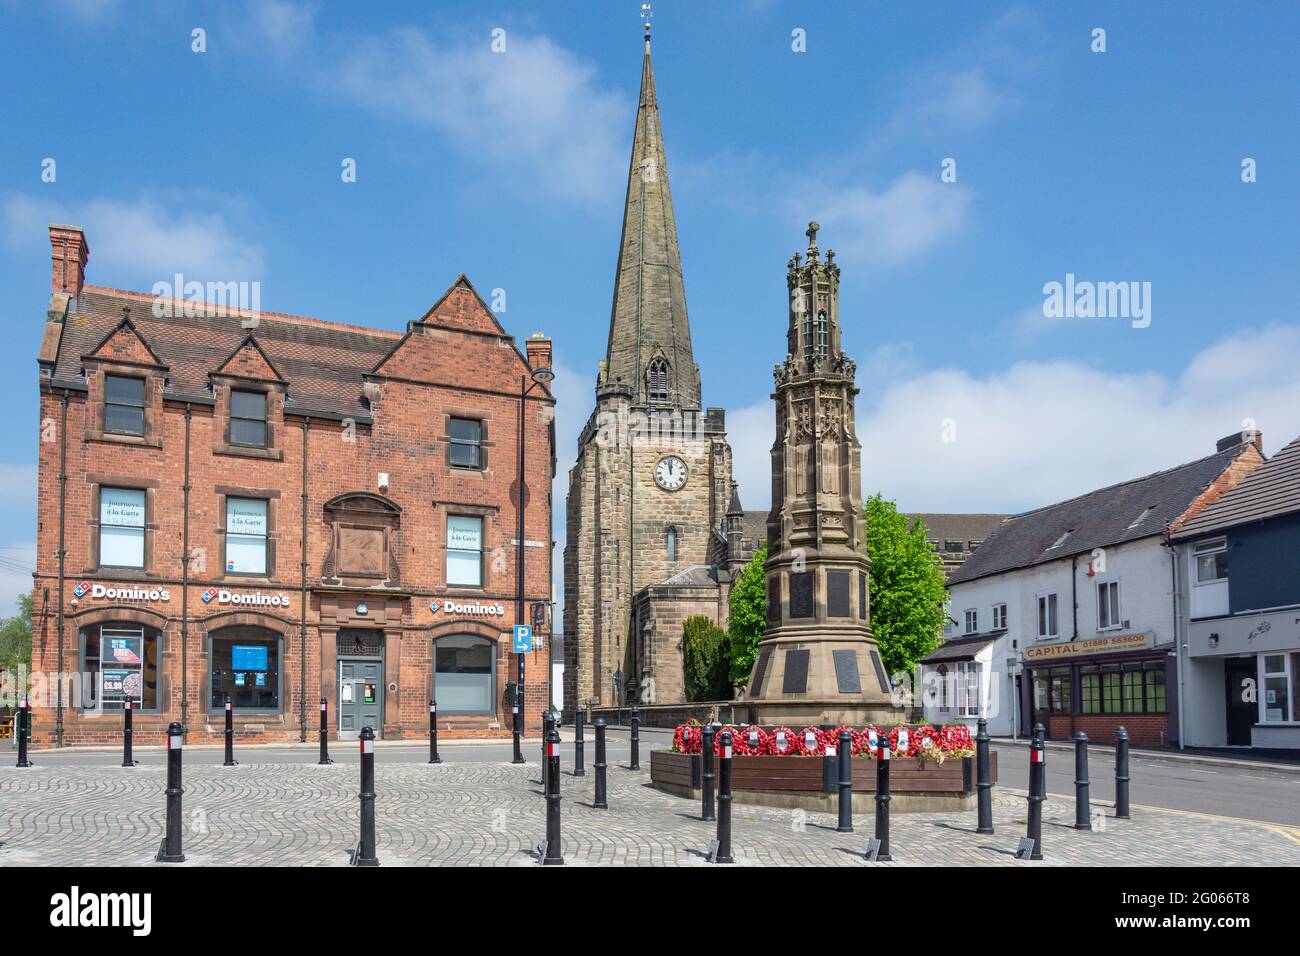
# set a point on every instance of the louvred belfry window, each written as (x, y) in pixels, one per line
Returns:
(656, 380)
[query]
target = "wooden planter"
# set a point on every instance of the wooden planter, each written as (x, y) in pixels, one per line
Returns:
(915, 783)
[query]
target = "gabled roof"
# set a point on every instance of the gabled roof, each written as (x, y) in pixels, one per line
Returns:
(124, 343)
(248, 360)
(960, 648)
(1270, 491)
(462, 308)
(1105, 517)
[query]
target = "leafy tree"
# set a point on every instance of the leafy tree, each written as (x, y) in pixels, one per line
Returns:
(16, 637)
(748, 616)
(908, 598)
(706, 658)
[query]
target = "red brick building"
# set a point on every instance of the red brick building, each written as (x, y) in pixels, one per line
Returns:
(346, 497)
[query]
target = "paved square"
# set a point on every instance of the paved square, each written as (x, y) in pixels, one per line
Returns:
(493, 814)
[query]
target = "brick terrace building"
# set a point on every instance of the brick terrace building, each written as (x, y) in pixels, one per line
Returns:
(346, 496)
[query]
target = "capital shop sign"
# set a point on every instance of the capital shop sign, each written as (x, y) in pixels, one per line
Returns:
(134, 592)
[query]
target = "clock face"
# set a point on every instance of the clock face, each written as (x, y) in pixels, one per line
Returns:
(670, 473)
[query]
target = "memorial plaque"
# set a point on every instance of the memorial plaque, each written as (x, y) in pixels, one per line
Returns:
(796, 672)
(760, 671)
(879, 665)
(774, 600)
(837, 594)
(846, 671)
(862, 595)
(801, 594)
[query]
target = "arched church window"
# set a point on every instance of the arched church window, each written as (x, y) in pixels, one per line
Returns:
(823, 343)
(656, 381)
(807, 335)
(672, 545)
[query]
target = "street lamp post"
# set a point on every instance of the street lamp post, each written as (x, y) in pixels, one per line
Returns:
(541, 376)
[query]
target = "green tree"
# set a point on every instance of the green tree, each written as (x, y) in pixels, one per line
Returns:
(16, 637)
(908, 598)
(748, 616)
(704, 648)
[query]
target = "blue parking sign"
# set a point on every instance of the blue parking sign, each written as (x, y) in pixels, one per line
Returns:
(523, 638)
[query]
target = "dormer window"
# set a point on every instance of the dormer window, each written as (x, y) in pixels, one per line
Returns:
(123, 405)
(248, 418)
(656, 381)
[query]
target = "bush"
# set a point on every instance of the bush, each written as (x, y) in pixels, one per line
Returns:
(706, 660)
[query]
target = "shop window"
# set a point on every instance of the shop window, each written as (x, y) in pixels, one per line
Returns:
(465, 674)
(248, 418)
(246, 536)
(464, 551)
(245, 663)
(466, 435)
(119, 661)
(1131, 684)
(121, 527)
(1111, 701)
(1108, 605)
(1061, 687)
(1047, 616)
(972, 621)
(123, 405)
(1041, 694)
(1090, 690)
(1278, 674)
(1154, 678)
(999, 617)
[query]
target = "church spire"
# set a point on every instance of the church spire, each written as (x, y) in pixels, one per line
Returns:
(649, 350)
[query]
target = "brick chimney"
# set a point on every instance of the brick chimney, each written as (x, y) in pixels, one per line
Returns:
(69, 253)
(539, 351)
(1247, 436)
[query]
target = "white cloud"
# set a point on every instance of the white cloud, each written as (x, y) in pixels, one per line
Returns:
(148, 238)
(534, 113)
(915, 214)
(1040, 432)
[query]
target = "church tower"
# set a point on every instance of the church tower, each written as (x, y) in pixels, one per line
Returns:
(651, 485)
(818, 662)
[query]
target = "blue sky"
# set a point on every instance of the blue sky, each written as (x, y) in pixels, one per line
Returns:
(1123, 165)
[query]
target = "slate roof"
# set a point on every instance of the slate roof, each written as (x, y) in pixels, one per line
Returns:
(1107, 516)
(959, 648)
(1271, 490)
(957, 527)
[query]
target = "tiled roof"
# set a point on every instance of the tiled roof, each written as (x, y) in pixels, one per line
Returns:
(1271, 490)
(1107, 516)
(959, 649)
(957, 527)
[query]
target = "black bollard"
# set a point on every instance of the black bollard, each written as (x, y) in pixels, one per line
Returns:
(706, 761)
(882, 798)
(365, 855)
(23, 727)
(324, 734)
(433, 731)
(636, 740)
(553, 856)
(579, 769)
(171, 850)
(548, 724)
(230, 734)
(600, 802)
(983, 778)
(846, 783)
(1037, 792)
(1121, 774)
(1082, 813)
(724, 800)
(127, 759)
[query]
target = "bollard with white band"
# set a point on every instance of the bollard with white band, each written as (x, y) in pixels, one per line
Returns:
(723, 852)
(882, 797)
(171, 850)
(1037, 792)
(553, 856)
(365, 853)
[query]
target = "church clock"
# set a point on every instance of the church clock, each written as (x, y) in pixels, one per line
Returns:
(670, 473)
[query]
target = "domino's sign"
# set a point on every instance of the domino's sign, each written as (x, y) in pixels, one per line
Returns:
(123, 592)
(471, 607)
(256, 599)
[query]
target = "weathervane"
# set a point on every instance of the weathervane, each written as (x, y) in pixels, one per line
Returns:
(647, 15)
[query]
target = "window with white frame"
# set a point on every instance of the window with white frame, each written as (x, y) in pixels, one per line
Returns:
(464, 551)
(968, 688)
(943, 687)
(999, 617)
(1209, 574)
(1047, 616)
(121, 527)
(1108, 605)
(1280, 673)
(246, 535)
(972, 621)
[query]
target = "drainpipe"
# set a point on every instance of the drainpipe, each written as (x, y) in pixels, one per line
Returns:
(185, 582)
(1074, 628)
(302, 607)
(63, 553)
(1178, 639)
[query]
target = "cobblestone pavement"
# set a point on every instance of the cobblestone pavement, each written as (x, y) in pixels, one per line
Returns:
(493, 814)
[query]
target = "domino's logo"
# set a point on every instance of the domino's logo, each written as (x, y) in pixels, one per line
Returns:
(435, 606)
(82, 589)
(209, 594)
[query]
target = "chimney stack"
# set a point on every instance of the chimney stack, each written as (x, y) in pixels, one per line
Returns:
(1247, 436)
(538, 348)
(69, 252)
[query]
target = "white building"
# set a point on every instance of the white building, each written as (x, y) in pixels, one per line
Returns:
(1066, 615)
